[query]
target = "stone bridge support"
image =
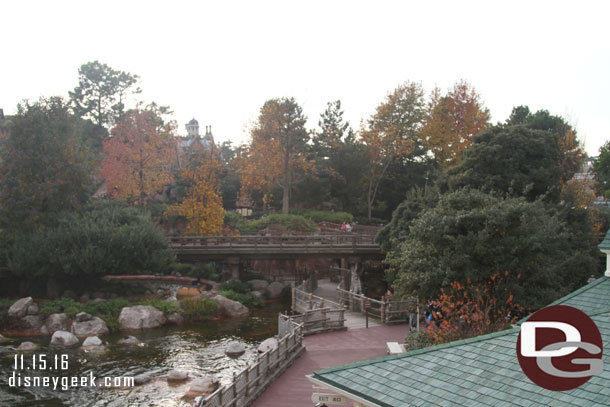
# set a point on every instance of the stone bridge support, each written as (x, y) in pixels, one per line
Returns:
(231, 266)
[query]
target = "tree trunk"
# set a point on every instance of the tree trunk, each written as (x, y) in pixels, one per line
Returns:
(285, 199)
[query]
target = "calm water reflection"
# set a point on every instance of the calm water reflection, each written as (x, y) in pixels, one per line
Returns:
(198, 350)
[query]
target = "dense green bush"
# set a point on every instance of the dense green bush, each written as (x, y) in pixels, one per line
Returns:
(418, 339)
(323, 216)
(246, 299)
(236, 285)
(293, 223)
(167, 307)
(233, 220)
(198, 309)
(66, 305)
(206, 271)
(182, 268)
(107, 237)
(470, 236)
(247, 275)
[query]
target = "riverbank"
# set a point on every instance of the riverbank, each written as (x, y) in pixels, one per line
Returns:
(197, 349)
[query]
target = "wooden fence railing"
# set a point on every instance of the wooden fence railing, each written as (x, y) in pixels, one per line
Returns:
(319, 320)
(303, 301)
(388, 312)
(247, 385)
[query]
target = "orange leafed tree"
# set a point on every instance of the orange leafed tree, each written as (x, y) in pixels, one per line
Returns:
(392, 132)
(464, 311)
(202, 206)
(453, 120)
(277, 153)
(139, 155)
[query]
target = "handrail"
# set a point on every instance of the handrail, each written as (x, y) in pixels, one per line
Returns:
(384, 310)
(347, 239)
(250, 382)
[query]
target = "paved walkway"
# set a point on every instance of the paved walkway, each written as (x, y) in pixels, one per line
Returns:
(293, 389)
(353, 320)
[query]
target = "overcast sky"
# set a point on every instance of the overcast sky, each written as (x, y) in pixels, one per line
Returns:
(219, 61)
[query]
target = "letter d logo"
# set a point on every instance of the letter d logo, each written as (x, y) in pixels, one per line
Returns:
(560, 348)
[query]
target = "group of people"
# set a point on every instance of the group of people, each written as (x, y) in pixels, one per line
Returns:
(346, 227)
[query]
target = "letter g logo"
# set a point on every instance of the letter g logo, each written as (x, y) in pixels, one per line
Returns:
(555, 344)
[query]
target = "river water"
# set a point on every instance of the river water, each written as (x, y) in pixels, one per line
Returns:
(196, 349)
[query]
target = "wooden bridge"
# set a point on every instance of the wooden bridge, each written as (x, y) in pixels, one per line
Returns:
(189, 249)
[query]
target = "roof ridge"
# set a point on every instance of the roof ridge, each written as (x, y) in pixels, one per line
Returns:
(415, 352)
(579, 291)
(599, 311)
(570, 296)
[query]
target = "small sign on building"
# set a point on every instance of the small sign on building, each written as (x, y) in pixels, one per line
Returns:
(334, 399)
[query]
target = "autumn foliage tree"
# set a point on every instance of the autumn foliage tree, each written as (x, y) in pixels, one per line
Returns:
(202, 206)
(467, 310)
(393, 131)
(277, 153)
(139, 155)
(452, 121)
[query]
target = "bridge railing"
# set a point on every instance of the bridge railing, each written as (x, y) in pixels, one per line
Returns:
(303, 301)
(387, 311)
(282, 240)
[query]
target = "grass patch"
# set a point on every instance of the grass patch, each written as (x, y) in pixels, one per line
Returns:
(236, 286)
(199, 309)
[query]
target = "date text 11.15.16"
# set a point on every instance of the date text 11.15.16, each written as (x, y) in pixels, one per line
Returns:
(40, 362)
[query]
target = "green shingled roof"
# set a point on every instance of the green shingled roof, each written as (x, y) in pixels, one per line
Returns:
(605, 244)
(481, 371)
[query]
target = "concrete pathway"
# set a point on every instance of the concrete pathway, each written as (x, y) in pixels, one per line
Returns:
(293, 389)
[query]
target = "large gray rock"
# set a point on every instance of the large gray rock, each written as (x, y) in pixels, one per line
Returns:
(141, 380)
(92, 341)
(231, 308)
(258, 285)
(32, 322)
(141, 317)
(177, 376)
(175, 318)
(267, 344)
(20, 307)
(129, 340)
(33, 309)
(93, 344)
(64, 339)
(93, 327)
(202, 386)
(274, 290)
(26, 346)
(257, 294)
(83, 316)
(54, 323)
(235, 349)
